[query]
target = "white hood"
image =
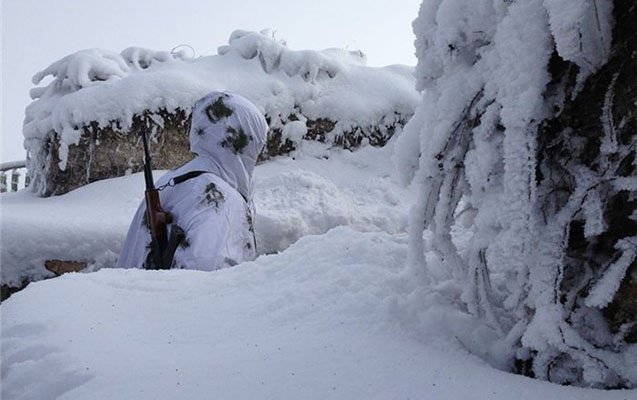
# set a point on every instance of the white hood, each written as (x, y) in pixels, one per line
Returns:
(227, 135)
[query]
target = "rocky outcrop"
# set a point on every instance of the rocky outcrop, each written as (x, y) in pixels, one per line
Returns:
(103, 153)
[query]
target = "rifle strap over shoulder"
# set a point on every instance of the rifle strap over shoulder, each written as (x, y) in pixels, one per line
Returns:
(177, 235)
(181, 178)
(188, 175)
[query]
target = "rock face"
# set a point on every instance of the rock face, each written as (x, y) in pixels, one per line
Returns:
(103, 153)
(596, 131)
(85, 125)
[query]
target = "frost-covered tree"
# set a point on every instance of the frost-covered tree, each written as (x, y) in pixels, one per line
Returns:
(526, 135)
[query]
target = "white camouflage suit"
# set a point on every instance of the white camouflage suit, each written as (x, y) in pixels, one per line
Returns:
(214, 209)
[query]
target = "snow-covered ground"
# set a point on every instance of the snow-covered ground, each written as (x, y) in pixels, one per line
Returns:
(317, 321)
(315, 191)
(331, 315)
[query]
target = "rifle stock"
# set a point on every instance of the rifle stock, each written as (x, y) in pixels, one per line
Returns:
(157, 218)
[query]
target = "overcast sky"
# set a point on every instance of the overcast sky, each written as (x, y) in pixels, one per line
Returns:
(37, 32)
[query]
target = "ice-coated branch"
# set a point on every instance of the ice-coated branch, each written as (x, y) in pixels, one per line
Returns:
(604, 290)
(544, 255)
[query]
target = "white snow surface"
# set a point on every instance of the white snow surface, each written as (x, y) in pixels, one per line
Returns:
(333, 316)
(318, 321)
(109, 89)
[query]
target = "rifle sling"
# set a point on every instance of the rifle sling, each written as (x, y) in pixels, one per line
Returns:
(177, 234)
(188, 175)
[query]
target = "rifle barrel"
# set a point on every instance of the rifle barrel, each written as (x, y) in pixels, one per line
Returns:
(148, 170)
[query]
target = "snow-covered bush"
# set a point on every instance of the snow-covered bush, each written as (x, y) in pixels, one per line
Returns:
(499, 141)
(84, 125)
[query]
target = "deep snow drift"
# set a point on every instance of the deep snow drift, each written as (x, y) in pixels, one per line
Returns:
(327, 318)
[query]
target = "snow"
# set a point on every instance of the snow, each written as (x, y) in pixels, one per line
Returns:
(351, 296)
(483, 76)
(294, 131)
(316, 321)
(602, 293)
(109, 89)
(582, 30)
(309, 194)
(327, 310)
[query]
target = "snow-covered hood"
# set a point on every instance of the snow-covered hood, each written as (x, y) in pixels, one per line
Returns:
(227, 134)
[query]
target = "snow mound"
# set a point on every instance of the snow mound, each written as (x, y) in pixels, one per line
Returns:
(316, 321)
(275, 56)
(317, 205)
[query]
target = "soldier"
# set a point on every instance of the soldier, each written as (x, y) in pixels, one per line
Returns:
(209, 197)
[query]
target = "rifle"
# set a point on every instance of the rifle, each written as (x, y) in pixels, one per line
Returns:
(157, 218)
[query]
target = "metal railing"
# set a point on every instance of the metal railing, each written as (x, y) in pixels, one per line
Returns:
(14, 169)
